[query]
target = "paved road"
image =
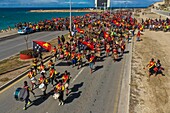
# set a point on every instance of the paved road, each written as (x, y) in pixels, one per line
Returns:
(16, 43)
(164, 13)
(90, 93)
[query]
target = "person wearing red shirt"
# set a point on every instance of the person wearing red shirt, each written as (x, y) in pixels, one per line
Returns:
(91, 62)
(66, 80)
(138, 35)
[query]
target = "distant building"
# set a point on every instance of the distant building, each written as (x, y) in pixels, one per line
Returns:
(102, 3)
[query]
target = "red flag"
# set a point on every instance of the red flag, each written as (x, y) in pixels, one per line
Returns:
(90, 45)
(80, 30)
(44, 45)
(106, 35)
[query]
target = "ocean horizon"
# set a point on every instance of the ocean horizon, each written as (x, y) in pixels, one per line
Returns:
(11, 16)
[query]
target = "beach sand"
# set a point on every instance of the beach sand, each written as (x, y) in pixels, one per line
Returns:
(150, 96)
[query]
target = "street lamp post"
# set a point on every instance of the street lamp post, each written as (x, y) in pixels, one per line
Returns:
(70, 19)
(110, 6)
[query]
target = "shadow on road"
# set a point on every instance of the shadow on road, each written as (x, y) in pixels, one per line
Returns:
(126, 52)
(98, 67)
(73, 93)
(40, 100)
(76, 87)
(72, 97)
(63, 64)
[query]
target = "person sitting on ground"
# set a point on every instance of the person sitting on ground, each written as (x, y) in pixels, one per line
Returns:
(158, 69)
(151, 66)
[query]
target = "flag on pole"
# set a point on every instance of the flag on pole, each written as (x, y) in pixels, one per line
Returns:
(41, 46)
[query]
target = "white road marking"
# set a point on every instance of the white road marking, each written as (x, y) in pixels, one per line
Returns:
(77, 75)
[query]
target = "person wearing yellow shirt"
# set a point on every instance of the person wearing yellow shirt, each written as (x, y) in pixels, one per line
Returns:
(32, 75)
(79, 60)
(91, 62)
(59, 88)
(52, 75)
(41, 67)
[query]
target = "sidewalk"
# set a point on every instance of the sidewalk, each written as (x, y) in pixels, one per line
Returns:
(8, 33)
(162, 13)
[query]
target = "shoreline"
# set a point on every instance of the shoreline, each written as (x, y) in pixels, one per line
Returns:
(74, 10)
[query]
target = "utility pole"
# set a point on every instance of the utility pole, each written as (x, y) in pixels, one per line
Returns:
(70, 20)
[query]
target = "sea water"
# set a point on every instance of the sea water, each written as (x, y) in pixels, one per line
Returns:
(12, 16)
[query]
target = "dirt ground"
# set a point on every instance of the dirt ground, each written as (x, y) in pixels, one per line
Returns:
(150, 95)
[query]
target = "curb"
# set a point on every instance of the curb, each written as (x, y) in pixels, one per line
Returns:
(124, 99)
(19, 77)
(8, 37)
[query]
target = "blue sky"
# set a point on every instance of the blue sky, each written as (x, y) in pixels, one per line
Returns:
(75, 3)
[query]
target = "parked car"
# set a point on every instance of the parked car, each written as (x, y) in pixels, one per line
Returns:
(25, 30)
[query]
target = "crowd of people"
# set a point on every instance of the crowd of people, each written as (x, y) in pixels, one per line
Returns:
(94, 36)
(157, 24)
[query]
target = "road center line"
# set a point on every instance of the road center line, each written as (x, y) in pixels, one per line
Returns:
(77, 75)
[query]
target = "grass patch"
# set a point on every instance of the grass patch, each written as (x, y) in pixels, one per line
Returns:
(4, 79)
(11, 63)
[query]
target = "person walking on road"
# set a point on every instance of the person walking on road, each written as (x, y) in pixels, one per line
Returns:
(52, 75)
(63, 39)
(27, 100)
(31, 75)
(59, 88)
(66, 80)
(91, 62)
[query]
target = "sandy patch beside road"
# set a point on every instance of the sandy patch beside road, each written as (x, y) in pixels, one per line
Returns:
(150, 96)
